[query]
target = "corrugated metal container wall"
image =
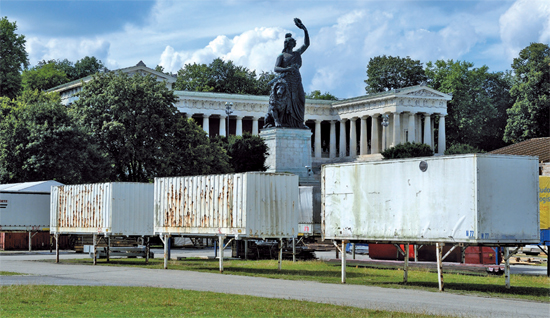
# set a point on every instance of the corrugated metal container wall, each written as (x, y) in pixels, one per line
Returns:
(116, 208)
(478, 199)
(251, 204)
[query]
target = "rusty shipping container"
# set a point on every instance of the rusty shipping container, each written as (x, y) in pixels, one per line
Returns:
(475, 199)
(116, 208)
(309, 219)
(252, 204)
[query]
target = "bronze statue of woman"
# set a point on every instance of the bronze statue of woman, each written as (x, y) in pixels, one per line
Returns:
(288, 66)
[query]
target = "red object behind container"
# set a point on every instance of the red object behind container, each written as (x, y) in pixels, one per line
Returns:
(19, 241)
(472, 255)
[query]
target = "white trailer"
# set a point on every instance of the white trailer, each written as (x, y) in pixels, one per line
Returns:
(103, 210)
(473, 199)
(252, 205)
(25, 207)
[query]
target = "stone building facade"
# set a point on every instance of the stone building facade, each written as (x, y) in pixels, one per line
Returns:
(343, 130)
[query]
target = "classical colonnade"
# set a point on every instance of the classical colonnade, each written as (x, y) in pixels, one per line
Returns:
(346, 128)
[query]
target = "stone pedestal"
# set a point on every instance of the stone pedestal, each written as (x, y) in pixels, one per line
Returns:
(289, 151)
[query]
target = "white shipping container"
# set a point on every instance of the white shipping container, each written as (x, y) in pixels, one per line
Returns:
(309, 220)
(252, 204)
(116, 208)
(25, 206)
(474, 198)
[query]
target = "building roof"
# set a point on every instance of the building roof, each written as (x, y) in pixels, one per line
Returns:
(138, 67)
(38, 186)
(539, 147)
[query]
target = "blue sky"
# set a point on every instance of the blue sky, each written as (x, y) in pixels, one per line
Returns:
(344, 34)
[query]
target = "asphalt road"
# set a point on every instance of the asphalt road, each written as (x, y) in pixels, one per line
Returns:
(352, 295)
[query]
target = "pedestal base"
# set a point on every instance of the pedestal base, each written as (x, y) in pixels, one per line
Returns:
(289, 150)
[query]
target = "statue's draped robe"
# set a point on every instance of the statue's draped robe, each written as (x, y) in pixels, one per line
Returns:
(294, 115)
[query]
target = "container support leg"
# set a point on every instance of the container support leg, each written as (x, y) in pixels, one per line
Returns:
(353, 250)
(57, 248)
(108, 249)
(165, 238)
(245, 249)
(415, 253)
(95, 248)
(439, 252)
(30, 241)
(51, 242)
(220, 244)
(406, 265)
(280, 253)
(147, 251)
(506, 266)
(294, 250)
(343, 251)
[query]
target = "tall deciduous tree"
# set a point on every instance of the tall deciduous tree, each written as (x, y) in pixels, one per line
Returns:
(13, 58)
(222, 77)
(387, 72)
(40, 141)
(43, 77)
(472, 113)
(135, 123)
(530, 115)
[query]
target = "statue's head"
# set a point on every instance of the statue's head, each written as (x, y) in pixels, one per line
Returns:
(289, 41)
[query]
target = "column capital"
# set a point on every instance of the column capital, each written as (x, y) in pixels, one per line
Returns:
(255, 118)
(223, 116)
(239, 117)
(206, 115)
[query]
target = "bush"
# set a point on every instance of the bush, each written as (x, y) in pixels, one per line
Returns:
(457, 149)
(408, 150)
(246, 152)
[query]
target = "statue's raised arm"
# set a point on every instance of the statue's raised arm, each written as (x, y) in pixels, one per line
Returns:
(300, 25)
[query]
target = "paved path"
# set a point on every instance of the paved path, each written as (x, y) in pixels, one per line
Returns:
(351, 295)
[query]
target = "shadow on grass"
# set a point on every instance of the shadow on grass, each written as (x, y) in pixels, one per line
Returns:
(481, 288)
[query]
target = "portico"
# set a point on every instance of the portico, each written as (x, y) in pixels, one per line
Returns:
(342, 130)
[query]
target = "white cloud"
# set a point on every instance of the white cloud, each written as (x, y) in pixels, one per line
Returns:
(71, 49)
(255, 49)
(525, 21)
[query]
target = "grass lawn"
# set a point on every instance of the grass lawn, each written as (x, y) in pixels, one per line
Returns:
(523, 286)
(108, 301)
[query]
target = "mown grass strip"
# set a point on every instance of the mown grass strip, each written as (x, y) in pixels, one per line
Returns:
(523, 286)
(109, 301)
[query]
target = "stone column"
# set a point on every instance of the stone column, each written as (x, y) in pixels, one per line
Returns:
(412, 127)
(342, 138)
(427, 130)
(353, 137)
(318, 149)
(441, 136)
(374, 141)
(255, 130)
(364, 147)
(206, 124)
(384, 136)
(222, 125)
(239, 131)
(396, 129)
(332, 142)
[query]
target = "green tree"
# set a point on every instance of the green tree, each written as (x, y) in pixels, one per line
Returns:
(387, 72)
(43, 77)
(134, 121)
(40, 141)
(472, 112)
(222, 77)
(13, 58)
(87, 66)
(246, 152)
(461, 149)
(316, 94)
(407, 150)
(529, 117)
